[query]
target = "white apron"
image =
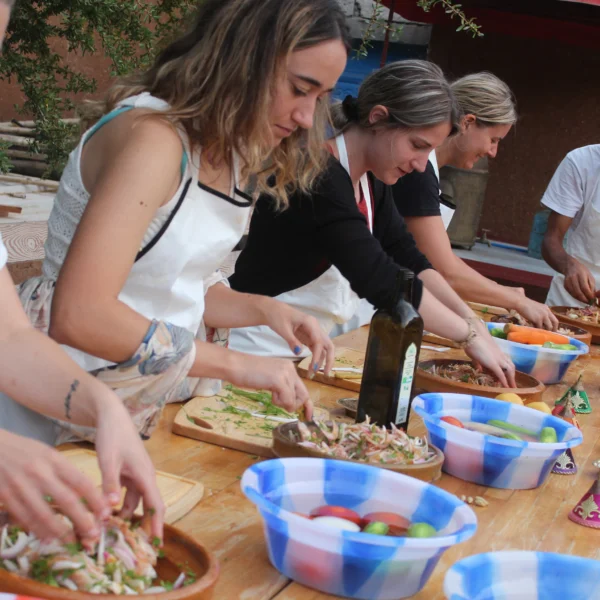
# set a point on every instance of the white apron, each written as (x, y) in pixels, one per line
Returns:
(167, 281)
(583, 244)
(329, 298)
(446, 212)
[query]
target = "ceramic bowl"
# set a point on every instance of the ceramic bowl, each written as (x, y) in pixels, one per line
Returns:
(179, 549)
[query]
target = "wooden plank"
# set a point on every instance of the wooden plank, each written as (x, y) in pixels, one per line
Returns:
(205, 419)
(179, 494)
(42, 184)
(486, 309)
(23, 270)
(344, 357)
(24, 241)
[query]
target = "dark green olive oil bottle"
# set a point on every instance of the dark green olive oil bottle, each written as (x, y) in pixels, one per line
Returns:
(391, 360)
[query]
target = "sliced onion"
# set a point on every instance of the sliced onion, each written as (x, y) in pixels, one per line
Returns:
(68, 583)
(157, 589)
(101, 546)
(179, 581)
(9, 565)
(3, 537)
(17, 548)
(63, 565)
(128, 591)
(23, 564)
(124, 556)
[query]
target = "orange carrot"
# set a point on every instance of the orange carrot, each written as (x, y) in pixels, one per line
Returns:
(531, 335)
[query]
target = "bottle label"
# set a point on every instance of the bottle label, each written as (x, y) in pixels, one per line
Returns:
(408, 372)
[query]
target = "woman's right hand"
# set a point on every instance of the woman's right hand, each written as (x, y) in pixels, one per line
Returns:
(30, 472)
(278, 375)
(124, 462)
(486, 353)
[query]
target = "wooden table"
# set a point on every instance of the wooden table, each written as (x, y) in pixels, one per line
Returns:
(526, 520)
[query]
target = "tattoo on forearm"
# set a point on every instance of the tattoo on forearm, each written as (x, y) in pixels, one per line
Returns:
(74, 386)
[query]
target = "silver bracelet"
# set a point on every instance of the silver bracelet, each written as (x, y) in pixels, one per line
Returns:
(471, 335)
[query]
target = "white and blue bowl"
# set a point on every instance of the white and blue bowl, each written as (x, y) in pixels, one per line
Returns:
(546, 365)
(354, 565)
(523, 576)
(489, 460)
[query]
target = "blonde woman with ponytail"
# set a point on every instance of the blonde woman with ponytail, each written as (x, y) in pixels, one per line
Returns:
(487, 115)
(151, 202)
(345, 240)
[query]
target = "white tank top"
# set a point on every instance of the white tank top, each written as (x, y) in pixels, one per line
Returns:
(189, 238)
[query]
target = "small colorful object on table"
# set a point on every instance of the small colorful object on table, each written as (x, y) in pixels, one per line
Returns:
(578, 396)
(361, 565)
(546, 364)
(494, 461)
(587, 510)
(565, 463)
(523, 576)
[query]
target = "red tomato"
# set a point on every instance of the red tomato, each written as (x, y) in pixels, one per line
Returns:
(397, 523)
(337, 511)
(453, 421)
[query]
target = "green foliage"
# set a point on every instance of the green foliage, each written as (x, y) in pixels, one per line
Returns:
(43, 38)
(376, 22)
(455, 11)
(5, 164)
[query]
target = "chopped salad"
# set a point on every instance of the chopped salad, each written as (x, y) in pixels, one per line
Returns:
(589, 314)
(464, 372)
(366, 442)
(121, 563)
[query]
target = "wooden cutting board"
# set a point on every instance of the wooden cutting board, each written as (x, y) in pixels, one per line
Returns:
(179, 494)
(344, 357)
(204, 419)
(483, 311)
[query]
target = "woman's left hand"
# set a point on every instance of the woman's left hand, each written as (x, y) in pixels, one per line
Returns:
(486, 353)
(297, 329)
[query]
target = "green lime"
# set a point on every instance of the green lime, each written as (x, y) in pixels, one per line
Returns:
(377, 528)
(421, 530)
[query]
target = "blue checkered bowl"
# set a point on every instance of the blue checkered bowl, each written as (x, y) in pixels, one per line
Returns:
(523, 576)
(354, 565)
(546, 365)
(489, 460)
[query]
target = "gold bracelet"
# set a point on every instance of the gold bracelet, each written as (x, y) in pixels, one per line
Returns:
(471, 335)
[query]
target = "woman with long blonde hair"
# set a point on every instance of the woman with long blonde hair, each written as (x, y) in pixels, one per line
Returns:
(152, 201)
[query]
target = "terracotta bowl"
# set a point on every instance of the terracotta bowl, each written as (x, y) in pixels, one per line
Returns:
(529, 388)
(284, 447)
(179, 549)
(592, 330)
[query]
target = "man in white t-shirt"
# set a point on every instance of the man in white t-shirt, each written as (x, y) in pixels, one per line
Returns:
(573, 197)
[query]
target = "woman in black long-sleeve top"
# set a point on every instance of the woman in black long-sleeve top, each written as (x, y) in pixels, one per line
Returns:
(344, 240)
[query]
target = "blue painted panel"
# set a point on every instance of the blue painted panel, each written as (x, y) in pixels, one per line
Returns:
(357, 69)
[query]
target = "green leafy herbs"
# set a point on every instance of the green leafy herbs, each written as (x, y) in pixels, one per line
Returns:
(263, 398)
(73, 548)
(156, 541)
